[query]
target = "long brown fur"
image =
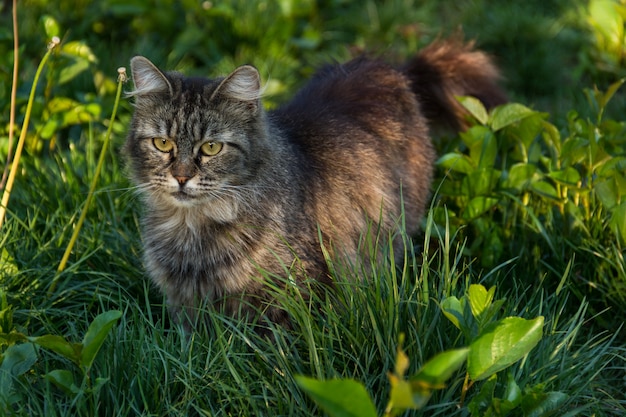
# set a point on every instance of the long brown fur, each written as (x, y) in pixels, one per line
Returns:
(352, 150)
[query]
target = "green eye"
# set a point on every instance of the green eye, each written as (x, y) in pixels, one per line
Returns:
(211, 148)
(163, 145)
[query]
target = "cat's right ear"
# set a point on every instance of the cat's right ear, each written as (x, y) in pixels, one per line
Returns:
(148, 79)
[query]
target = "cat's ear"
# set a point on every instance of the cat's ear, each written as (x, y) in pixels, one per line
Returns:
(243, 84)
(148, 79)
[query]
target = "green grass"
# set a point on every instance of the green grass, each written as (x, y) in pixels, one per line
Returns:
(567, 268)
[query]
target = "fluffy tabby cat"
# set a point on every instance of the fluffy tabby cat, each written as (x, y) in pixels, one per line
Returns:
(229, 188)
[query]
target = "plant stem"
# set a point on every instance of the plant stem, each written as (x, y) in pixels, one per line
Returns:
(20, 143)
(16, 60)
(120, 81)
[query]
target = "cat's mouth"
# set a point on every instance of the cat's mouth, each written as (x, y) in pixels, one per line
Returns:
(182, 196)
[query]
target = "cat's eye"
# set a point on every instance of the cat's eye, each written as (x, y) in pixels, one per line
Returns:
(163, 145)
(211, 148)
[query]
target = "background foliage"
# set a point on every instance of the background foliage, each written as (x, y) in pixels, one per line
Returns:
(530, 200)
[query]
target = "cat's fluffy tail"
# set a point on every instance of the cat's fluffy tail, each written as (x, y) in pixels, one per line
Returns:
(446, 69)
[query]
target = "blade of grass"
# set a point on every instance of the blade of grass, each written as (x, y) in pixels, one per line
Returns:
(120, 81)
(20, 144)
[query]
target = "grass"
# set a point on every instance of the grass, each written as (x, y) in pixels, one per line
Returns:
(150, 368)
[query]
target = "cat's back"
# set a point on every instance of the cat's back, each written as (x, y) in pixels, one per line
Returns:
(358, 129)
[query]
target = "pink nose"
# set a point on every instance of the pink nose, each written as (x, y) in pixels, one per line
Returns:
(182, 179)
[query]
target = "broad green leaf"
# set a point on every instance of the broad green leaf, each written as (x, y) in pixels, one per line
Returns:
(339, 397)
(97, 332)
(69, 72)
(552, 136)
(453, 310)
(513, 393)
(520, 176)
(456, 162)
(475, 107)
(440, 368)
(79, 49)
(608, 192)
(480, 182)
(64, 380)
(7, 267)
(502, 344)
(479, 205)
(508, 114)
(482, 145)
(18, 359)
(50, 26)
(568, 176)
(610, 92)
(480, 299)
(545, 189)
(58, 344)
(404, 397)
(538, 404)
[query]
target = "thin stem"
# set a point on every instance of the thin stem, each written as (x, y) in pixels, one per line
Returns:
(120, 81)
(20, 143)
(16, 60)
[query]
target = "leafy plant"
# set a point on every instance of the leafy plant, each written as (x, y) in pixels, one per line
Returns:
(18, 358)
(494, 345)
(514, 177)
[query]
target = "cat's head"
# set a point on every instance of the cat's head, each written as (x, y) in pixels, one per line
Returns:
(195, 142)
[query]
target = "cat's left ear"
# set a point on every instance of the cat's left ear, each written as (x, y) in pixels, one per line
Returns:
(243, 84)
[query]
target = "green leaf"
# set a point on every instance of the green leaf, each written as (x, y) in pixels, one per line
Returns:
(79, 49)
(520, 176)
(58, 344)
(508, 114)
(16, 360)
(97, 332)
(608, 192)
(538, 404)
(69, 72)
(513, 393)
(440, 368)
(50, 26)
(339, 397)
(453, 310)
(482, 145)
(480, 299)
(8, 267)
(480, 182)
(479, 205)
(502, 344)
(568, 176)
(475, 107)
(456, 162)
(64, 380)
(610, 92)
(545, 189)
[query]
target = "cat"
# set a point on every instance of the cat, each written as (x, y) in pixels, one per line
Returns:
(231, 190)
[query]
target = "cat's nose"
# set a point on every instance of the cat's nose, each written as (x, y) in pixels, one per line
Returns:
(182, 179)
